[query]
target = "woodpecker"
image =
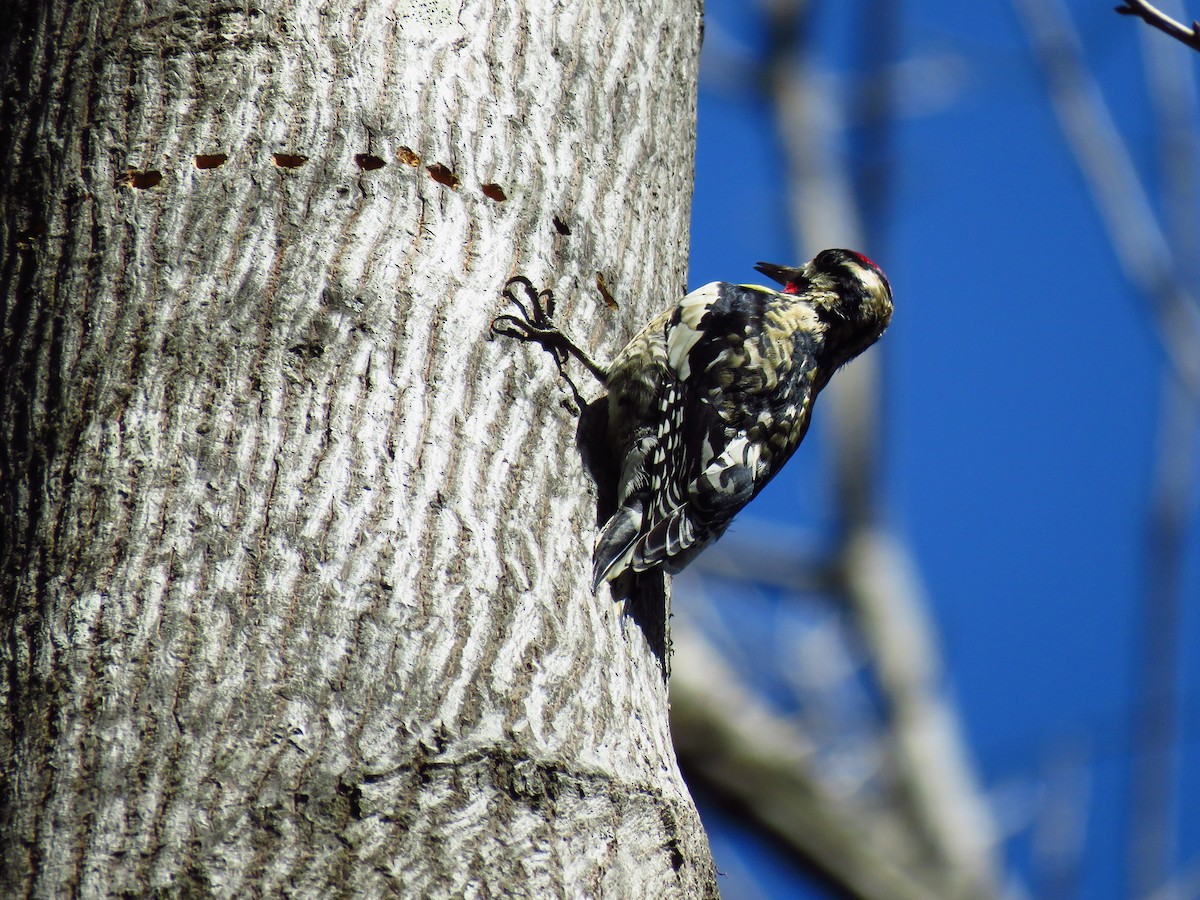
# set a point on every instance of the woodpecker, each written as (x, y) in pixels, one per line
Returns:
(711, 398)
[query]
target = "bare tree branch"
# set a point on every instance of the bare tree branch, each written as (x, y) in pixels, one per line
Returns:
(1169, 517)
(932, 836)
(751, 755)
(1164, 23)
(880, 583)
(1137, 238)
(1060, 831)
(1155, 727)
(1159, 264)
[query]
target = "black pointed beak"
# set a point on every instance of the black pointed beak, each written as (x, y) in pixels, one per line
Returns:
(785, 275)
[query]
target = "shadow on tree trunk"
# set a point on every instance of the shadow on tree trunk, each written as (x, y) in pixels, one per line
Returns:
(645, 594)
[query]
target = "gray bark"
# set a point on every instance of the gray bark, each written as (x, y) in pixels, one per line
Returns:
(293, 557)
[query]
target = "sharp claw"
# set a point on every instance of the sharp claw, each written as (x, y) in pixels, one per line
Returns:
(540, 319)
(525, 284)
(508, 325)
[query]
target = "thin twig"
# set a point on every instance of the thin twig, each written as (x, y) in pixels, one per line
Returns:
(1164, 23)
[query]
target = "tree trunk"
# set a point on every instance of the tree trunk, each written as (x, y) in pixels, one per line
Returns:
(294, 558)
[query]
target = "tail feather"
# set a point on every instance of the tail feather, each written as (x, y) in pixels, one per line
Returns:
(671, 537)
(671, 527)
(615, 548)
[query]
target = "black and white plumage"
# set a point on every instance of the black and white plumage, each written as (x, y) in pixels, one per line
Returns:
(714, 395)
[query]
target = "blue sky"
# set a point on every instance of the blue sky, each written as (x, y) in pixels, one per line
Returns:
(1022, 385)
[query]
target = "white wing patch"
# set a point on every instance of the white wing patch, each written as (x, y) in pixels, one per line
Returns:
(740, 453)
(686, 332)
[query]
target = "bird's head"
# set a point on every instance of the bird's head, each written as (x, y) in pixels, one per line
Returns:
(847, 289)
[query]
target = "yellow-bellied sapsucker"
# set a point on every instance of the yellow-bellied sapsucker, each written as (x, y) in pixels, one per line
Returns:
(712, 397)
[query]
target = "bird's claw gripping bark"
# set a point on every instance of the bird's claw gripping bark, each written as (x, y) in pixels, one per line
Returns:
(535, 322)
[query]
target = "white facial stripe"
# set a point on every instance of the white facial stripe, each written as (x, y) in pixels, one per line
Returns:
(867, 277)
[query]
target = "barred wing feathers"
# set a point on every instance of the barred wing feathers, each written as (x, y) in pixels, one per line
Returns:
(732, 397)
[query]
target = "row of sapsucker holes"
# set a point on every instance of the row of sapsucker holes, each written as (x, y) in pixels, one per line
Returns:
(443, 175)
